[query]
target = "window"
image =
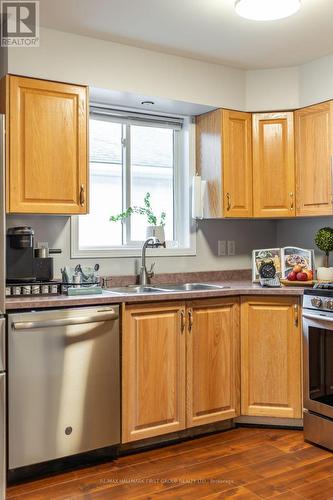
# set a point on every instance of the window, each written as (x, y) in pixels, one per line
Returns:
(131, 155)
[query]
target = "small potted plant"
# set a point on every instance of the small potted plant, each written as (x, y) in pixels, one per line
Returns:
(324, 241)
(155, 226)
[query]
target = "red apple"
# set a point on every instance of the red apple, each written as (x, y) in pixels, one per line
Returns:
(292, 276)
(302, 277)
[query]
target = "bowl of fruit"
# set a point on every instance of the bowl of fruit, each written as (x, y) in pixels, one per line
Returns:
(299, 276)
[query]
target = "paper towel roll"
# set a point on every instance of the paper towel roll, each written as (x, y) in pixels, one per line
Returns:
(198, 194)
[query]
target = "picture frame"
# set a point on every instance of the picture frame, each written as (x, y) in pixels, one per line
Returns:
(284, 259)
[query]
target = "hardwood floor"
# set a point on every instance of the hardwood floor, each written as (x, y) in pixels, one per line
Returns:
(244, 463)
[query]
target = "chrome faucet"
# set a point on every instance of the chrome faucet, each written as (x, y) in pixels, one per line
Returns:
(145, 275)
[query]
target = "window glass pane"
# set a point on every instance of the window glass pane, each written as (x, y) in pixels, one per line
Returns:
(105, 141)
(95, 229)
(152, 161)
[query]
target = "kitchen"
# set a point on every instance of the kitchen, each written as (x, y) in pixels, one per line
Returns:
(139, 173)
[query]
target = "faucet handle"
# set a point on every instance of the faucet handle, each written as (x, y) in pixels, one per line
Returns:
(150, 273)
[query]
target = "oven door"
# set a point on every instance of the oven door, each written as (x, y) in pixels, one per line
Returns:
(318, 362)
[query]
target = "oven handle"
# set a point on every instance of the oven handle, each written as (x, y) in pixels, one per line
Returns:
(318, 318)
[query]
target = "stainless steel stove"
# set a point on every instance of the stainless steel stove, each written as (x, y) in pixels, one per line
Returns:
(318, 364)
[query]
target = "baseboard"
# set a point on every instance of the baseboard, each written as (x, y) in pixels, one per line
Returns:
(270, 421)
(175, 437)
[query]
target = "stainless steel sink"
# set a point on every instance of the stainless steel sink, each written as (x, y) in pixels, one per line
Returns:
(185, 287)
(132, 289)
(192, 287)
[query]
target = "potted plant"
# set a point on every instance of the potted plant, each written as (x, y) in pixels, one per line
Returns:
(324, 241)
(155, 226)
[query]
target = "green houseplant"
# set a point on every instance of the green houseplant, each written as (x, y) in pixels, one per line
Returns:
(324, 241)
(155, 225)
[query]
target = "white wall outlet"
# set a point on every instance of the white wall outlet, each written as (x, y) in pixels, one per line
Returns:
(221, 248)
(231, 248)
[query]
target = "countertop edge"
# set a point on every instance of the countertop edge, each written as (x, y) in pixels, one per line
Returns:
(234, 289)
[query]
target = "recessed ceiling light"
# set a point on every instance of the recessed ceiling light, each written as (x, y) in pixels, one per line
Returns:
(266, 10)
(149, 103)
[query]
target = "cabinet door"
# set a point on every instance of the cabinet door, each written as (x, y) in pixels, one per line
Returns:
(224, 160)
(209, 160)
(314, 149)
(47, 169)
(237, 164)
(213, 369)
(153, 364)
(271, 357)
(273, 165)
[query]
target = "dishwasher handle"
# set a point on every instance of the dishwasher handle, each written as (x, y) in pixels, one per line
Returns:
(75, 320)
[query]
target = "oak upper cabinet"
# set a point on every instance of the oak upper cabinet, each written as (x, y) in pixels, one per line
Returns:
(273, 165)
(153, 370)
(224, 159)
(47, 147)
(314, 150)
(213, 361)
(271, 357)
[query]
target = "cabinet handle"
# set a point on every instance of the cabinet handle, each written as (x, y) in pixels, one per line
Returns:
(190, 320)
(228, 201)
(296, 315)
(291, 201)
(82, 196)
(182, 321)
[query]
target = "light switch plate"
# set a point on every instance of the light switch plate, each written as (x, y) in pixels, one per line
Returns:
(222, 248)
(231, 248)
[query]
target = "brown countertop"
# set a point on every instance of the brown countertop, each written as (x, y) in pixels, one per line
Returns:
(243, 287)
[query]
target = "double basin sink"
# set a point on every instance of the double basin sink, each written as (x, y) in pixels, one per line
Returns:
(185, 287)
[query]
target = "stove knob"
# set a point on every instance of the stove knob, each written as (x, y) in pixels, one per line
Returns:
(329, 305)
(316, 302)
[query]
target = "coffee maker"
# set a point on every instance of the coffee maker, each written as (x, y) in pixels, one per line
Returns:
(20, 255)
(24, 263)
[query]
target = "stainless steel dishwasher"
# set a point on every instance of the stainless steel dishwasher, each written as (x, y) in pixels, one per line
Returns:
(63, 383)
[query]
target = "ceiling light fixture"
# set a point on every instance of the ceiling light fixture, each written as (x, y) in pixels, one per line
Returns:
(266, 10)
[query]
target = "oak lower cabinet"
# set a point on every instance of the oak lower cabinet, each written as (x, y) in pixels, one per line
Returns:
(180, 365)
(271, 357)
(46, 146)
(314, 150)
(273, 165)
(213, 361)
(153, 370)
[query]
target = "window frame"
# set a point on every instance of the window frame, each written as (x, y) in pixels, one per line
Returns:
(184, 153)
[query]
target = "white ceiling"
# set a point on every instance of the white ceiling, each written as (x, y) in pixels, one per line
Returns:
(202, 29)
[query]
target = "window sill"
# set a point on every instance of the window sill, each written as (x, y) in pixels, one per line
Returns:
(131, 252)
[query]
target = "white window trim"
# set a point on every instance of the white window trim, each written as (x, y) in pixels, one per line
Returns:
(128, 251)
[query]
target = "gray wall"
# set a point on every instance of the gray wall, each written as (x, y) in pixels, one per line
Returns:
(247, 235)
(301, 232)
